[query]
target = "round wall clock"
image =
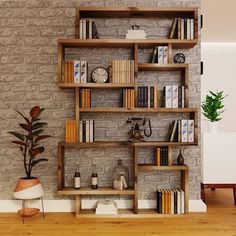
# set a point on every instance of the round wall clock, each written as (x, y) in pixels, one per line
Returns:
(99, 75)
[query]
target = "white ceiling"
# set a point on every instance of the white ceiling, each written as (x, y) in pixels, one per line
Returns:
(219, 20)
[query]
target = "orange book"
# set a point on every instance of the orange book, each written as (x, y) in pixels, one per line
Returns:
(72, 71)
(155, 97)
(129, 99)
(163, 201)
(158, 156)
(126, 98)
(65, 72)
(89, 98)
(68, 71)
(66, 131)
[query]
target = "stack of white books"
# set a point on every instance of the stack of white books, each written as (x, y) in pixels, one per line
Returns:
(106, 207)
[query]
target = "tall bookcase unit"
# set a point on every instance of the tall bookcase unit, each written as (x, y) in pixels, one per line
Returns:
(134, 45)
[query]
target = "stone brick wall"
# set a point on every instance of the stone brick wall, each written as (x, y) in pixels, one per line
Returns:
(28, 73)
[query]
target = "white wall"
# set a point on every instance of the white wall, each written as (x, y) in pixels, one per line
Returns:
(220, 74)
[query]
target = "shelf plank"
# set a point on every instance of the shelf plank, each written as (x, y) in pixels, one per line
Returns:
(162, 143)
(137, 12)
(126, 43)
(97, 144)
(162, 67)
(95, 85)
(99, 191)
(138, 110)
(151, 167)
(127, 213)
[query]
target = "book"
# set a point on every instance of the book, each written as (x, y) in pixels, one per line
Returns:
(173, 28)
(154, 55)
(174, 96)
(84, 29)
(91, 131)
(95, 34)
(81, 29)
(168, 96)
(188, 28)
(179, 28)
(173, 130)
(165, 55)
(83, 73)
(182, 29)
(191, 131)
(160, 54)
(70, 131)
(192, 29)
(81, 131)
(76, 75)
(159, 201)
(184, 131)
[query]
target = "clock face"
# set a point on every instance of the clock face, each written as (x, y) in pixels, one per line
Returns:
(99, 75)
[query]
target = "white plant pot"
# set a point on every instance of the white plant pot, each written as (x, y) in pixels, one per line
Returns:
(213, 127)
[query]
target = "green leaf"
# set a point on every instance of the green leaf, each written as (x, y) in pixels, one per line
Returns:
(39, 138)
(38, 125)
(25, 127)
(19, 143)
(37, 132)
(17, 135)
(26, 119)
(34, 152)
(39, 160)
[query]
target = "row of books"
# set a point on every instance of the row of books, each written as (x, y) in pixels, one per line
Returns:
(122, 71)
(71, 131)
(128, 98)
(182, 29)
(75, 71)
(174, 96)
(86, 131)
(160, 55)
(106, 207)
(88, 30)
(163, 157)
(147, 96)
(170, 201)
(182, 131)
(85, 98)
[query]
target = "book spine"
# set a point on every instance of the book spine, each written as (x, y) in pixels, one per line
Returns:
(166, 156)
(175, 202)
(185, 29)
(182, 202)
(165, 55)
(183, 96)
(178, 202)
(172, 202)
(184, 131)
(179, 131)
(179, 28)
(81, 131)
(152, 97)
(160, 55)
(84, 71)
(94, 31)
(192, 29)
(190, 131)
(90, 30)
(158, 156)
(188, 29)
(91, 131)
(182, 29)
(87, 29)
(76, 71)
(173, 28)
(154, 54)
(81, 29)
(84, 131)
(174, 96)
(168, 96)
(65, 72)
(146, 96)
(84, 29)
(87, 131)
(180, 97)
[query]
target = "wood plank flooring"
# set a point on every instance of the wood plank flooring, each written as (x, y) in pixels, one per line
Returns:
(220, 220)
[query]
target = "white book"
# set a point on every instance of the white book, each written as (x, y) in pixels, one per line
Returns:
(87, 131)
(91, 131)
(178, 202)
(182, 210)
(81, 131)
(174, 96)
(184, 131)
(84, 29)
(192, 29)
(190, 131)
(172, 201)
(80, 29)
(160, 54)
(165, 55)
(188, 28)
(182, 29)
(168, 96)
(76, 71)
(90, 30)
(83, 71)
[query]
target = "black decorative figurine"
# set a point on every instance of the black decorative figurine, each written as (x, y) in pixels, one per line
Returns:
(179, 58)
(180, 158)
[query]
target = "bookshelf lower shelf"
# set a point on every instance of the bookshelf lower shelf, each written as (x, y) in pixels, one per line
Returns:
(99, 191)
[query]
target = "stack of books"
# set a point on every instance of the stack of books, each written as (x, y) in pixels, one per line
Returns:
(147, 97)
(106, 207)
(160, 55)
(86, 131)
(85, 98)
(122, 71)
(162, 157)
(88, 30)
(71, 131)
(170, 201)
(75, 71)
(182, 29)
(128, 98)
(182, 131)
(174, 96)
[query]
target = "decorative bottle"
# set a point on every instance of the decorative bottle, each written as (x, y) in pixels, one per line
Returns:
(120, 172)
(180, 158)
(94, 178)
(77, 177)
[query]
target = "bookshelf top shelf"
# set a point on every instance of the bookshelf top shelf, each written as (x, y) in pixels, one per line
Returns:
(126, 43)
(135, 12)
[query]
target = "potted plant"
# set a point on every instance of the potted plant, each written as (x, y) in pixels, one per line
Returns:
(212, 109)
(28, 141)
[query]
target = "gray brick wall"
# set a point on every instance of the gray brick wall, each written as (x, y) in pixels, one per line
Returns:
(28, 73)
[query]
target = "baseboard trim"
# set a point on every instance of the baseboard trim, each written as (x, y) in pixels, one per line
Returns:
(69, 205)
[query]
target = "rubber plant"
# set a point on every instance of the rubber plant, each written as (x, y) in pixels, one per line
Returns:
(213, 105)
(29, 140)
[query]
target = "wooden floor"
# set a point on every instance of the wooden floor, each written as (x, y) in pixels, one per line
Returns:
(220, 220)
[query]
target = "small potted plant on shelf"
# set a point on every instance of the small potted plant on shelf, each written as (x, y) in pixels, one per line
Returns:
(28, 141)
(212, 109)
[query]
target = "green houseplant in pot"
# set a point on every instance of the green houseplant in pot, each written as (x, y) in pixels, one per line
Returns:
(213, 108)
(28, 141)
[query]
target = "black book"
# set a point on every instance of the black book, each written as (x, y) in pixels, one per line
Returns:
(87, 29)
(95, 34)
(185, 29)
(161, 157)
(175, 202)
(159, 201)
(154, 54)
(145, 96)
(84, 131)
(139, 97)
(152, 97)
(180, 96)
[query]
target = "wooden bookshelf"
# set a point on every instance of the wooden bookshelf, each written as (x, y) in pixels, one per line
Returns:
(134, 45)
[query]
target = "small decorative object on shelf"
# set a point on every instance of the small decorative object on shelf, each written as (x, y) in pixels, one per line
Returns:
(120, 176)
(179, 58)
(77, 177)
(136, 33)
(139, 129)
(94, 177)
(180, 158)
(99, 75)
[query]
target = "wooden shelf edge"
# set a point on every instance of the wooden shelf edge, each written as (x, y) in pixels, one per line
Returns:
(149, 167)
(99, 191)
(162, 67)
(95, 86)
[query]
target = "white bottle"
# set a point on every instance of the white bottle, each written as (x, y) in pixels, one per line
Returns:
(77, 177)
